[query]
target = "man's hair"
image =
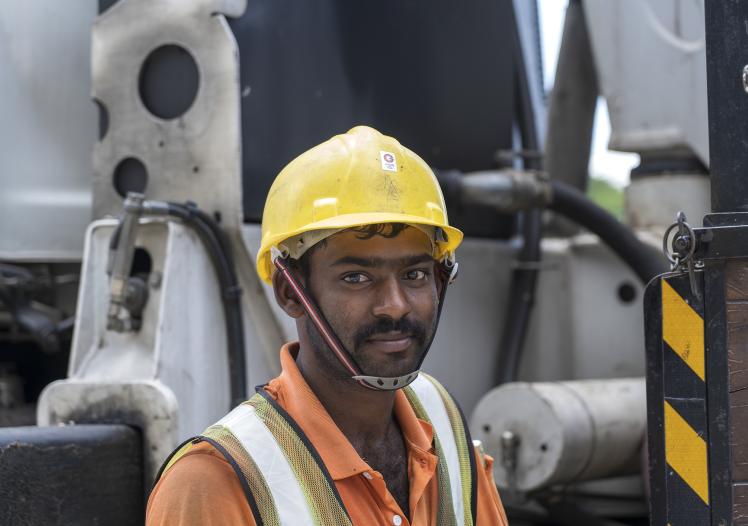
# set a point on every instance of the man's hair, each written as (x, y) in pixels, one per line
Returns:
(386, 230)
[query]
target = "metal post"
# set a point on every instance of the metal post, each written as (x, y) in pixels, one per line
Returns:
(727, 288)
(727, 88)
(697, 343)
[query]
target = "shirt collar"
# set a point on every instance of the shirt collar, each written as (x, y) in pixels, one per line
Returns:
(337, 453)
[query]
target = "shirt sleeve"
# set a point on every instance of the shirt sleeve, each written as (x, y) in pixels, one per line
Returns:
(490, 509)
(201, 488)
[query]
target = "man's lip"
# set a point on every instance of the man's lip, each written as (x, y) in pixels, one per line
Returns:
(390, 337)
(391, 343)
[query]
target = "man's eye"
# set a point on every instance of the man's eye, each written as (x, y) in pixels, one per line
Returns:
(355, 278)
(416, 274)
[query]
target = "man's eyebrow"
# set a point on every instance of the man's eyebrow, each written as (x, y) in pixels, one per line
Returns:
(372, 262)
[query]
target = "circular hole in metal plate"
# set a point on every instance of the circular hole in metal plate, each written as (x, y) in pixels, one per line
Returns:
(130, 175)
(626, 292)
(169, 80)
(103, 119)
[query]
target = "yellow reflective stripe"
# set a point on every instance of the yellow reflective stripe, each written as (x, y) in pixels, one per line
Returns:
(445, 511)
(258, 487)
(685, 452)
(319, 491)
(176, 456)
(264, 448)
(464, 450)
(429, 396)
(683, 329)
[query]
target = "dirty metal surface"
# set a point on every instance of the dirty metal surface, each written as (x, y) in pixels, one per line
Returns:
(81, 474)
(195, 155)
(146, 405)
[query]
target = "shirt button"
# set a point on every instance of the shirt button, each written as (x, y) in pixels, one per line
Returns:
(367, 475)
(397, 520)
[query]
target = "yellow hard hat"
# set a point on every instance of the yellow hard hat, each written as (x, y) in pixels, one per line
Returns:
(358, 178)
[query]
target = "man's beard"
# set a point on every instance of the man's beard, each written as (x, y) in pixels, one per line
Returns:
(422, 336)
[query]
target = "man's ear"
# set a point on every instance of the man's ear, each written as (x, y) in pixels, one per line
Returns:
(286, 297)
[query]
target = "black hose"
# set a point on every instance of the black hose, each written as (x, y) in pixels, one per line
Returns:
(218, 248)
(525, 274)
(521, 299)
(646, 262)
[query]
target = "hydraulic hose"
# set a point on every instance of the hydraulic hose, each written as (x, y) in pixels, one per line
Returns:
(646, 261)
(521, 299)
(512, 191)
(525, 273)
(218, 248)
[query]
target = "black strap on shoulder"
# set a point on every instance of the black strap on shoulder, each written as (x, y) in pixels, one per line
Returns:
(242, 479)
(305, 440)
(171, 456)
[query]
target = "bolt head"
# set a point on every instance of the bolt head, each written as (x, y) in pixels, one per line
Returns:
(682, 243)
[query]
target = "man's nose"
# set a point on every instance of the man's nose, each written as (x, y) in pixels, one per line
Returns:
(392, 302)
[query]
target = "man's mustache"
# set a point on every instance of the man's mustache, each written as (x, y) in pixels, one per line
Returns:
(412, 328)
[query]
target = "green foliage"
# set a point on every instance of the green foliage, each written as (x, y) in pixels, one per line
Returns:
(606, 195)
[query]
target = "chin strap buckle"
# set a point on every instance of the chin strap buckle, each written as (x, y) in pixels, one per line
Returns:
(453, 273)
(392, 383)
(449, 270)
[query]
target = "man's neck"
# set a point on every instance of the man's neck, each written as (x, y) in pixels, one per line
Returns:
(363, 415)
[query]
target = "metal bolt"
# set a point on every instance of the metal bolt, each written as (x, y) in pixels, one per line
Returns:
(509, 444)
(509, 453)
(682, 243)
(745, 78)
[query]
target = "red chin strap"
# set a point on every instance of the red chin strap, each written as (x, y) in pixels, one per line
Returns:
(447, 274)
(319, 321)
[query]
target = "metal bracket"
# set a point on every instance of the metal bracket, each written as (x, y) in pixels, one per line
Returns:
(681, 249)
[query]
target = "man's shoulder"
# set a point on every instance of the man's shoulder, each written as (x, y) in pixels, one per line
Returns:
(200, 467)
(199, 486)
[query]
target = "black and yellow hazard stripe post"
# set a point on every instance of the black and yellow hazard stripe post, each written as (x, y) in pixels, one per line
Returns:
(696, 324)
(677, 402)
(696, 318)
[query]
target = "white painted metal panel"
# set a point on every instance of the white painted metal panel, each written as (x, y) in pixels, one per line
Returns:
(48, 126)
(651, 61)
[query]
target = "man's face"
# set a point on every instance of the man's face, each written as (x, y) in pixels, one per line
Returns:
(379, 296)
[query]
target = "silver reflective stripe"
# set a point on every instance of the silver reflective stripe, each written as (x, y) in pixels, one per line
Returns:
(432, 402)
(260, 444)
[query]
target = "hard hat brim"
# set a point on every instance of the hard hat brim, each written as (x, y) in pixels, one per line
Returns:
(265, 266)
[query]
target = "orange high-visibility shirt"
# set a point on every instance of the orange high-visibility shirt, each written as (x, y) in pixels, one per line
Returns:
(202, 489)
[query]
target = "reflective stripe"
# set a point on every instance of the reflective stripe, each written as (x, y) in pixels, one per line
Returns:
(432, 402)
(257, 440)
(288, 500)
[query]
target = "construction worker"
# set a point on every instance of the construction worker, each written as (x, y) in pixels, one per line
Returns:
(357, 246)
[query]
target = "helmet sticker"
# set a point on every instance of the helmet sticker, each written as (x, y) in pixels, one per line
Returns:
(389, 162)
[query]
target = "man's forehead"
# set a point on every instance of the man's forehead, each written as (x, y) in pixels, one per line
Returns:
(409, 243)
